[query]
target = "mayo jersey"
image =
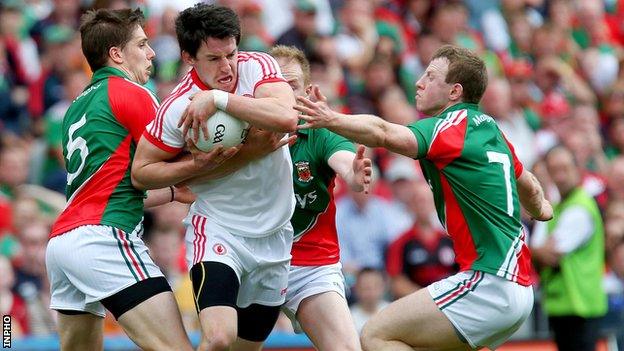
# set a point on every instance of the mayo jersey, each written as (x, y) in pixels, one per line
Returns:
(472, 170)
(100, 132)
(254, 201)
(314, 220)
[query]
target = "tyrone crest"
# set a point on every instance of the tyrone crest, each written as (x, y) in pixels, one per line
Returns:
(303, 171)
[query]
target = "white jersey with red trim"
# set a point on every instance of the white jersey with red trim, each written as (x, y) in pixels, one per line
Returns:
(254, 201)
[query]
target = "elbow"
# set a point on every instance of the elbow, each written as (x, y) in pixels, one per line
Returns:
(136, 182)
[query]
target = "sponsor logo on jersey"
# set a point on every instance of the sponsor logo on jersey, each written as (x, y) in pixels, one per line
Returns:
(303, 171)
(482, 118)
(219, 249)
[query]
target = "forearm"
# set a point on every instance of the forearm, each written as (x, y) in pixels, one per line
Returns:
(268, 113)
(162, 174)
(531, 194)
(157, 197)
(369, 130)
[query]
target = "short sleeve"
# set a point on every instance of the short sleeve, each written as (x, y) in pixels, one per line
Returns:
(332, 143)
(258, 68)
(441, 140)
(132, 105)
(163, 132)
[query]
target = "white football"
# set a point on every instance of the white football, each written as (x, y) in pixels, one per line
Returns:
(223, 129)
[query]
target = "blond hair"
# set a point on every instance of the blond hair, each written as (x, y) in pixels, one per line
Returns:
(293, 53)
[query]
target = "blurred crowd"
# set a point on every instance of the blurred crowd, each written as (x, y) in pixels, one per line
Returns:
(556, 77)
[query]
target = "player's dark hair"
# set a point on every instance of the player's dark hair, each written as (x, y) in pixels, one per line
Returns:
(103, 29)
(465, 68)
(198, 23)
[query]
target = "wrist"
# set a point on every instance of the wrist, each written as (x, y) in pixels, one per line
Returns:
(220, 99)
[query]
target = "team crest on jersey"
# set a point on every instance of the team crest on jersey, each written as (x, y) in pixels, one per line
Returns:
(303, 171)
(219, 249)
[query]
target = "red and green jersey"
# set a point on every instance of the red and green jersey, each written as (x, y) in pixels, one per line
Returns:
(100, 132)
(314, 219)
(472, 170)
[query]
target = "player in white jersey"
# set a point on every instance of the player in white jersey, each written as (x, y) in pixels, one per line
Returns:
(238, 231)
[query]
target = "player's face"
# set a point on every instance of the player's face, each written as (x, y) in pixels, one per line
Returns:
(432, 92)
(138, 57)
(216, 63)
(293, 74)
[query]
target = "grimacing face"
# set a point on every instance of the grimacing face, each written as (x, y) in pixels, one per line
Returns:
(137, 57)
(432, 92)
(293, 74)
(216, 63)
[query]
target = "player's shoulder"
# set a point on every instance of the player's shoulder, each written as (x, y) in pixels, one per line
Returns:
(252, 60)
(246, 57)
(177, 100)
(125, 87)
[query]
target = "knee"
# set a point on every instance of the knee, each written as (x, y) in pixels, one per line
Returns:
(218, 340)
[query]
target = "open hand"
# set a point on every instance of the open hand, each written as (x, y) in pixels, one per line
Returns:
(196, 114)
(205, 161)
(362, 169)
(261, 142)
(314, 110)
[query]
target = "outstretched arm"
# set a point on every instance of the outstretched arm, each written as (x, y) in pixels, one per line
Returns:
(532, 197)
(369, 130)
(355, 169)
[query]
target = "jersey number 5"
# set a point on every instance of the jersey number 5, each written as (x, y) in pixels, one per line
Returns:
(76, 144)
(499, 157)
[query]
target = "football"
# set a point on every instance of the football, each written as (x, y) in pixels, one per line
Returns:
(223, 129)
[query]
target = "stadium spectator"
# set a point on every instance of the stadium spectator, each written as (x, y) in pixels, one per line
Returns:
(369, 289)
(366, 225)
(571, 256)
(452, 147)
(424, 253)
(11, 303)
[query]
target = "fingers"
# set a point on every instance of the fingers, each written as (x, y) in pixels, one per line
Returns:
(204, 128)
(318, 95)
(360, 152)
(290, 140)
(195, 126)
(230, 152)
(305, 101)
(306, 111)
(305, 126)
(183, 117)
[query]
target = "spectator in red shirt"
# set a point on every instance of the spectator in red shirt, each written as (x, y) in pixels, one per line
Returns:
(424, 253)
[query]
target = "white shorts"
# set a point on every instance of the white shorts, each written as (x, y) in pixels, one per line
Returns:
(93, 262)
(261, 264)
(306, 281)
(484, 308)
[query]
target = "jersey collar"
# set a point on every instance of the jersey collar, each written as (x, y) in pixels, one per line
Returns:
(460, 106)
(106, 72)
